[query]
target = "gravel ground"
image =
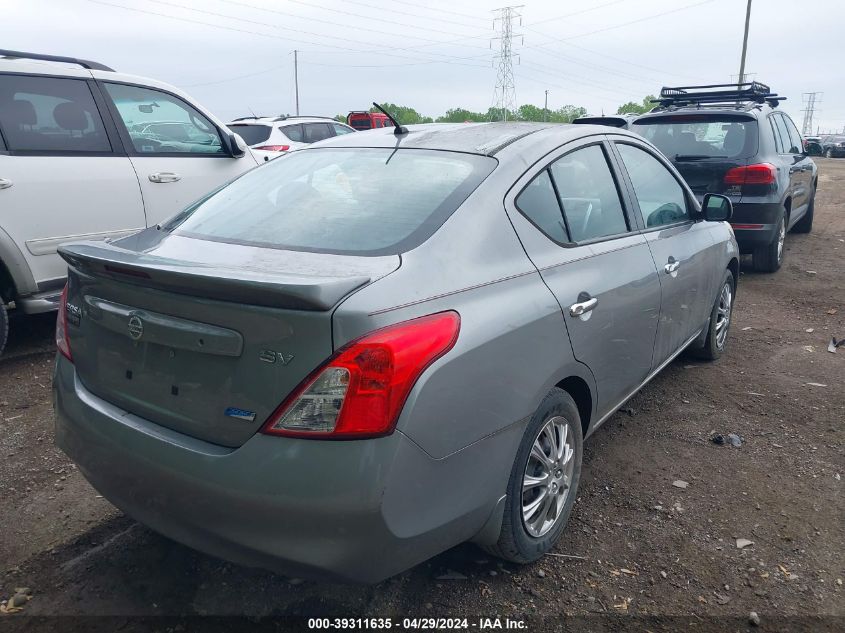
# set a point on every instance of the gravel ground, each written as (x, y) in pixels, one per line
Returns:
(639, 554)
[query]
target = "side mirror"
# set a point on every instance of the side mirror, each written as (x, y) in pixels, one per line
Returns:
(716, 207)
(233, 144)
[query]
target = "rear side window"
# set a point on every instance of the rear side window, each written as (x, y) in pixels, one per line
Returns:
(360, 201)
(588, 195)
(341, 129)
(293, 132)
(252, 134)
(783, 131)
(661, 198)
(538, 202)
(317, 132)
(700, 135)
(47, 114)
(794, 135)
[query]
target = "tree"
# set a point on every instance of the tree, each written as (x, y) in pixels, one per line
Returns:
(404, 114)
(636, 108)
(461, 115)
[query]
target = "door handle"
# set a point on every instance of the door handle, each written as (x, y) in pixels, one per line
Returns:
(5, 183)
(165, 176)
(582, 307)
(672, 266)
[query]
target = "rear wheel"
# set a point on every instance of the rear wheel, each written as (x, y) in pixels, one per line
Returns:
(544, 481)
(720, 320)
(828, 153)
(805, 224)
(768, 258)
(4, 326)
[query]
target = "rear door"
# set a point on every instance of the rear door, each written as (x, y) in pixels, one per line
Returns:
(570, 216)
(683, 249)
(801, 171)
(65, 174)
(175, 149)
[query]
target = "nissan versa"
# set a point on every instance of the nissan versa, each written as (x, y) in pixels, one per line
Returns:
(363, 353)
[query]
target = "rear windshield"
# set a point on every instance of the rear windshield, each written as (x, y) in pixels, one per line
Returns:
(360, 201)
(252, 134)
(360, 123)
(700, 135)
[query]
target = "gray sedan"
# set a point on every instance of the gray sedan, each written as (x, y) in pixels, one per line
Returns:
(363, 353)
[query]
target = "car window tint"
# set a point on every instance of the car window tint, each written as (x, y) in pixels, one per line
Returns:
(661, 198)
(48, 114)
(794, 135)
(316, 132)
(251, 134)
(332, 200)
(784, 134)
(341, 129)
(779, 144)
(539, 204)
(293, 132)
(588, 195)
(160, 123)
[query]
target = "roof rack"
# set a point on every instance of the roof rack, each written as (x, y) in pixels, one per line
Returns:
(55, 58)
(754, 92)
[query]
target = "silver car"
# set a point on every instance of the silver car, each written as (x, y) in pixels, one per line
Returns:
(361, 354)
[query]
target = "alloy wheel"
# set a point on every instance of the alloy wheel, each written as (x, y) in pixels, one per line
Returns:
(781, 240)
(723, 314)
(548, 477)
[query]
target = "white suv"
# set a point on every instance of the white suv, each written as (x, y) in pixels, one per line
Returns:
(88, 153)
(271, 136)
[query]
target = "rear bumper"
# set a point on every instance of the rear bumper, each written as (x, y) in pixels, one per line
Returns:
(355, 510)
(755, 224)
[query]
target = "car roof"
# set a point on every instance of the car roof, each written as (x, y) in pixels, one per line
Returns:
(474, 138)
(267, 120)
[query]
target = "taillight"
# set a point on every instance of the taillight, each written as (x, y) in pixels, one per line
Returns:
(360, 391)
(274, 148)
(759, 174)
(62, 337)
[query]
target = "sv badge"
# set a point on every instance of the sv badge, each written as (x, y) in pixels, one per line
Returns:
(270, 356)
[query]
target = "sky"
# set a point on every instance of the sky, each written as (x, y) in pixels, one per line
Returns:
(236, 56)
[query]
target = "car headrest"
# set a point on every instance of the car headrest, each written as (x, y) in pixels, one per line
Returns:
(19, 112)
(734, 140)
(70, 116)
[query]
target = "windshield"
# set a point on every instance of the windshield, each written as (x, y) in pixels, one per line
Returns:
(365, 201)
(700, 136)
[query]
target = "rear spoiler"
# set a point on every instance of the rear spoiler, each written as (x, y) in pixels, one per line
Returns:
(275, 290)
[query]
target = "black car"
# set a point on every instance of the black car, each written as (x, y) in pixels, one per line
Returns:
(732, 139)
(833, 146)
(813, 145)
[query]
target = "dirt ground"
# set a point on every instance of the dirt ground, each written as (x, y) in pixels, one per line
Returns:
(639, 553)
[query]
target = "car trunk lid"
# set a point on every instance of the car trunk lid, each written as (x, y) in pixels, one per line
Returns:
(206, 349)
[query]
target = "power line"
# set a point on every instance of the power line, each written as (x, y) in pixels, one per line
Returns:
(440, 18)
(463, 15)
(504, 94)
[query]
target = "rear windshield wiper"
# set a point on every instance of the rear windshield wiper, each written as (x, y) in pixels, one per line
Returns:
(695, 156)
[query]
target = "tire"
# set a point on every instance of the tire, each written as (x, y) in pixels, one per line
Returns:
(4, 326)
(516, 542)
(805, 224)
(720, 320)
(828, 153)
(768, 258)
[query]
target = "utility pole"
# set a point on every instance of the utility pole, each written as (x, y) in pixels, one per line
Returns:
(504, 94)
(296, 77)
(744, 45)
(810, 100)
(546, 107)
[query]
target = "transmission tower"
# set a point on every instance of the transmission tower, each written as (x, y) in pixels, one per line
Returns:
(810, 100)
(504, 95)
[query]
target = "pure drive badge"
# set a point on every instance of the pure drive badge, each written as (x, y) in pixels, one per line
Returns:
(240, 414)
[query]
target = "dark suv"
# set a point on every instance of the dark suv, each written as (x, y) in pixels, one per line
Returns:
(732, 140)
(833, 146)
